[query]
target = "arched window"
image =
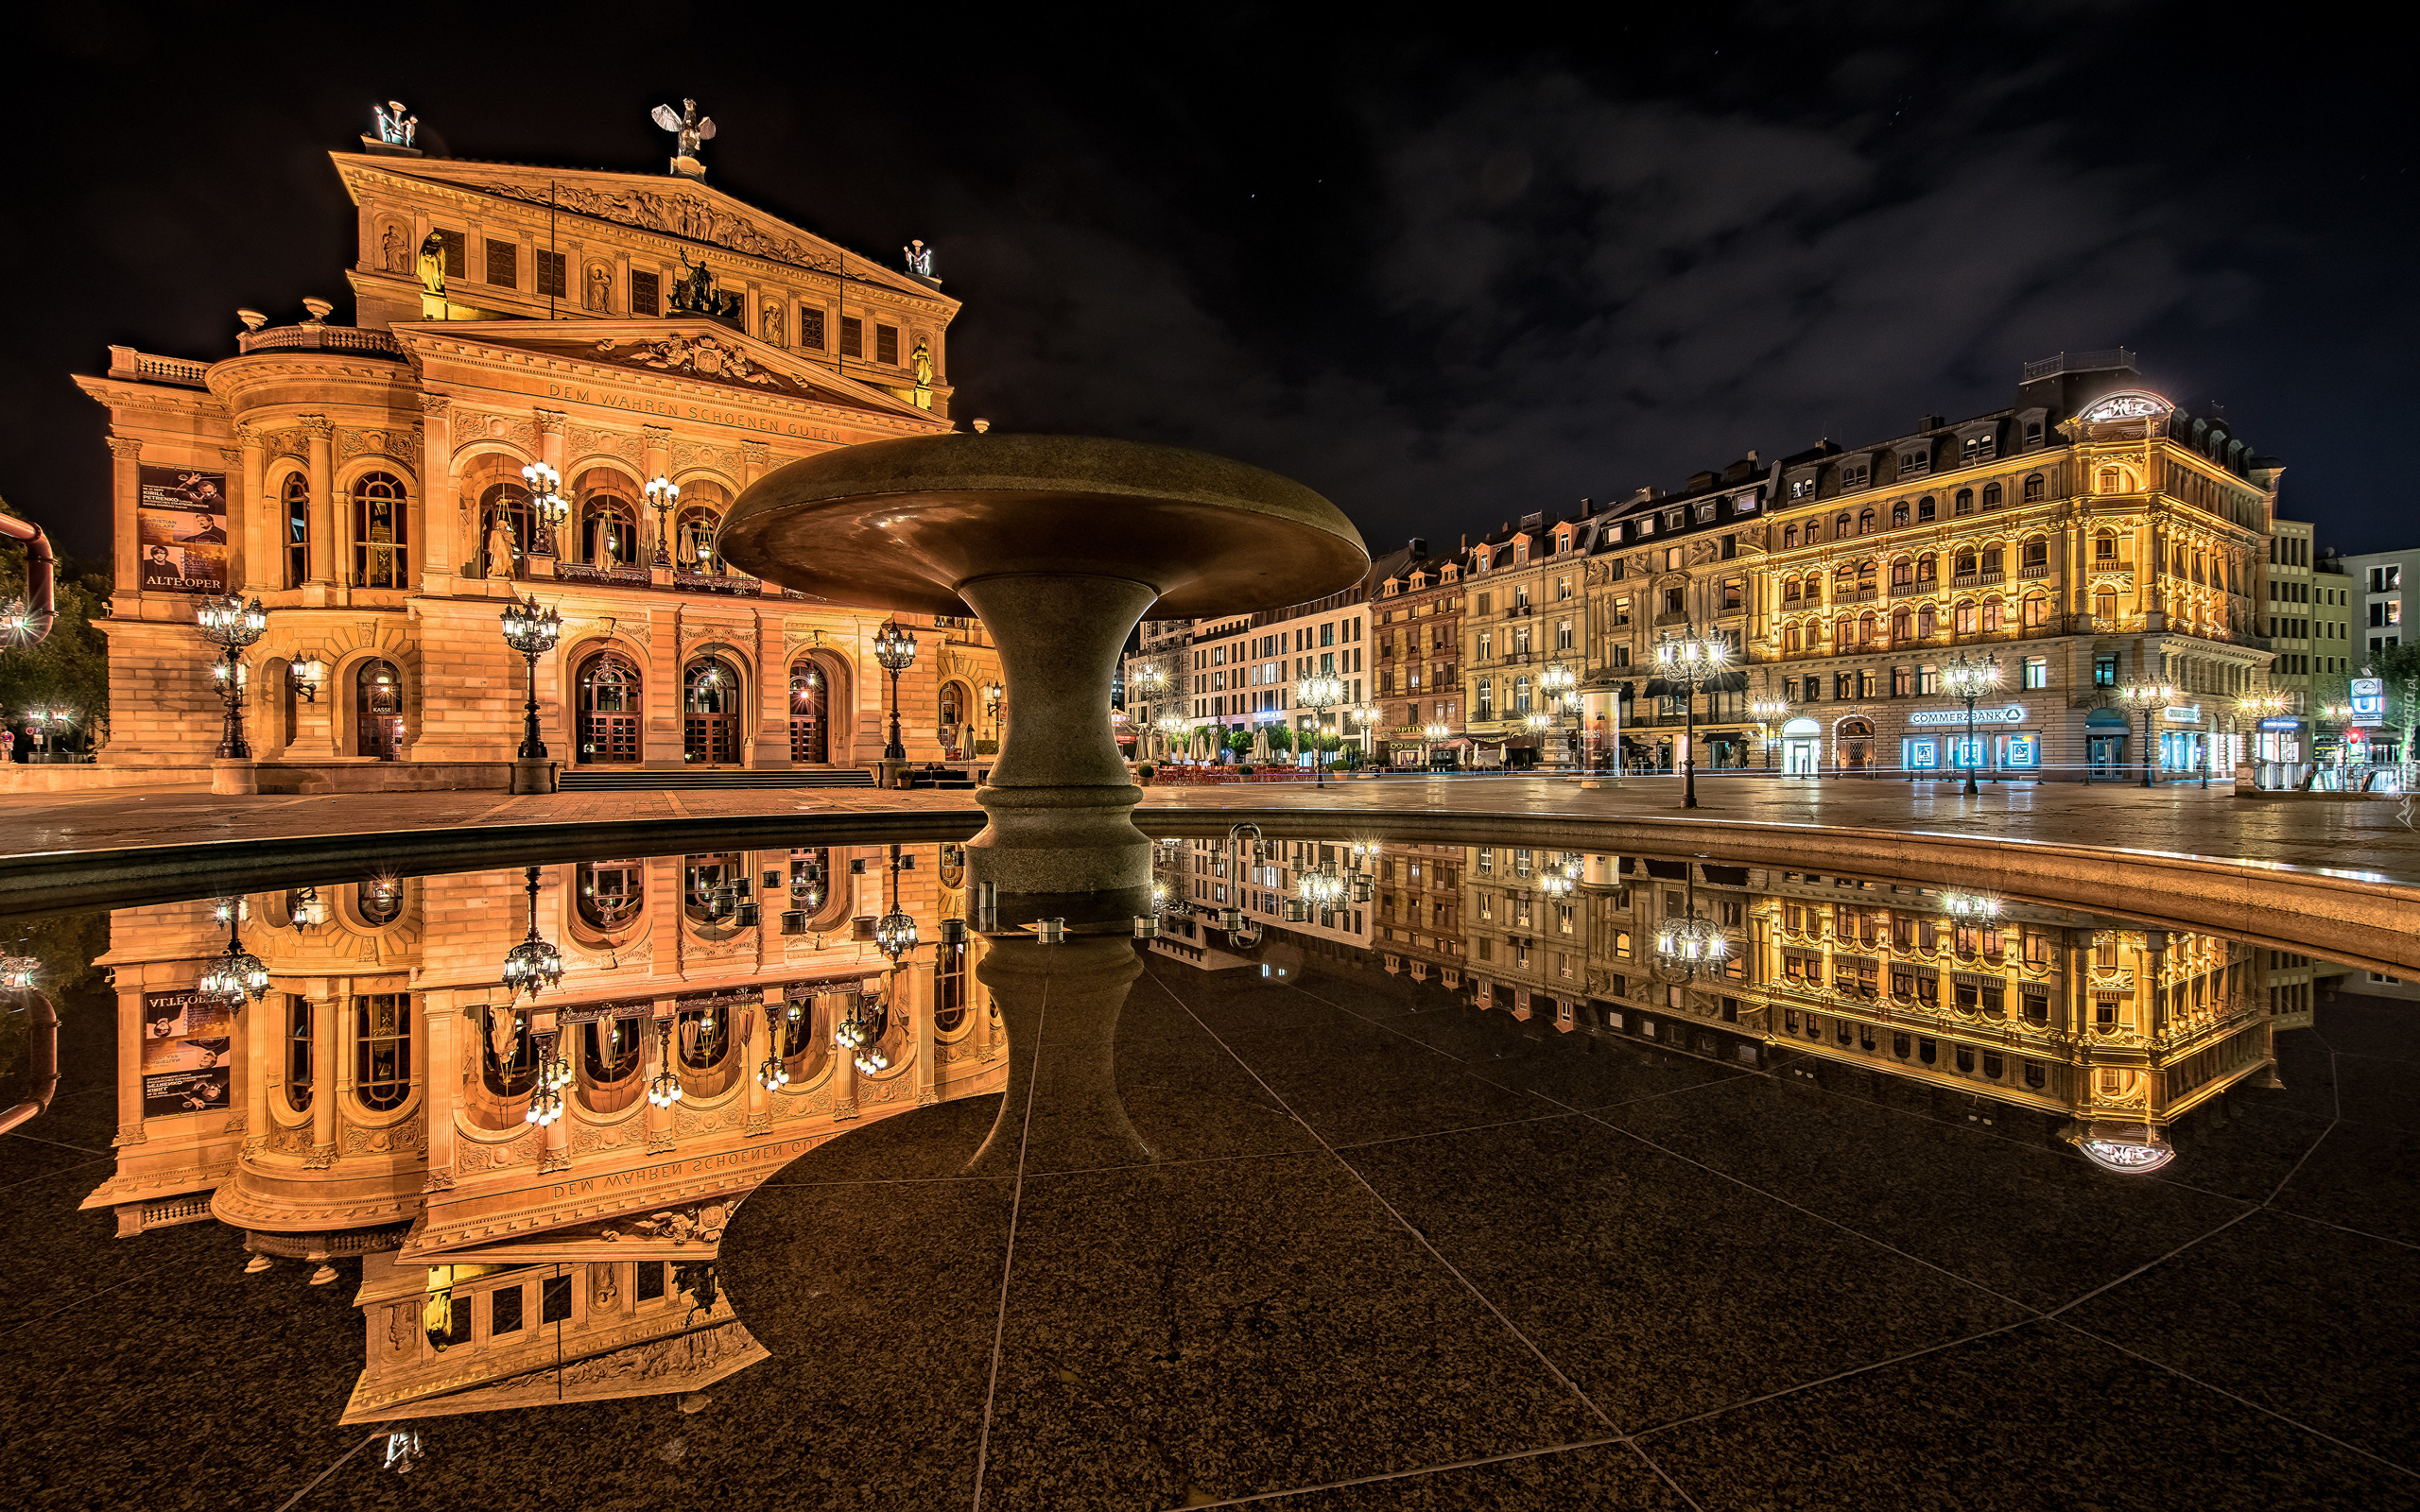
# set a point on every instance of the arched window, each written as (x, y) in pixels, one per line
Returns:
(712, 887)
(952, 718)
(1963, 617)
(1899, 623)
(2037, 610)
(2113, 480)
(2104, 546)
(1991, 615)
(1840, 526)
(694, 534)
(1843, 580)
(1963, 563)
(1865, 628)
(383, 1066)
(1789, 534)
(295, 493)
(1926, 622)
(2032, 487)
(1790, 591)
(2033, 553)
(381, 556)
(1903, 573)
(2104, 606)
(1994, 558)
(810, 714)
(1866, 572)
(611, 894)
(1964, 503)
(1865, 523)
(610, 1052)
(1991, 495)
(1521, 695)
(949, 989)
(609, 709)
(1790, 640)
(1928, 568)
(1899, 513)
(507, 503)
(1844, 629)
(298, 1052)
(379, 709)
(1925, 510)
(379, 901)
(701, 1035)
(1815, 587)
(609, 532)
(710, 703)
(507, 1054)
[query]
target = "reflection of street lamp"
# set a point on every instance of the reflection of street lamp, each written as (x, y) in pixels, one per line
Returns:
(2147, 697)
(1690, 659)
(1168, 727)
(230, 625)
(535, 963)
(661, 493)
(1688, 944)
(1968, 680)
(533, 634)
(234, 974)
(895, 649)
(1558, 682)
(1319, 694)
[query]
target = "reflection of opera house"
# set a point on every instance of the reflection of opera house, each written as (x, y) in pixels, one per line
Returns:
(374, 476)
(379, 1098)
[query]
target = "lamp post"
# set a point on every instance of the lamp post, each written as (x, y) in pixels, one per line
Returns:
(993, 692)
(230, 625)
(895, 649)
(1438, 734)
(1367, 716)
(532, 631)
(548, 508)
(1168, 726)
(1690, 659)
(1768, 713)
(662, 495)
(1968, 681)
(234, 974)
(1689, 944)
(2147, 697)
(1319, 694)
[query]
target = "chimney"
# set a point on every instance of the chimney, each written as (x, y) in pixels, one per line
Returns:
(1753, 456)
(1419, 548)
(1932, 422)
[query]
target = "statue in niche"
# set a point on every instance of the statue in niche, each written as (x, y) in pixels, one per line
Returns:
(694, 293)
(500, 546)
(600, 289)
(392, 255)
(923, 361)
(432, 266)
(772, 326)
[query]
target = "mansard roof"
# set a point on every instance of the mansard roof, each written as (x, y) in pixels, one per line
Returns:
(667, 205)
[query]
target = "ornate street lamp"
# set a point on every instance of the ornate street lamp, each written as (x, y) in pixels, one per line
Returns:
(1767, 714)
(662, 495)
(664, 1088)
(534, 964)
(1319, 694)
(992, 694)
(1169, 728)
(548, 508)
(1436, 733)
(234, 974)
(1690, 659)
(1689, 945)
(895, 651)
(1970, 907)
(230, 625)
(2147, 697)
(1968, 680)
(532, 632)
(1366, 715)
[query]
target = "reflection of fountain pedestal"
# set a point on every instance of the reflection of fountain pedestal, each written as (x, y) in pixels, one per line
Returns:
(1060, 1004)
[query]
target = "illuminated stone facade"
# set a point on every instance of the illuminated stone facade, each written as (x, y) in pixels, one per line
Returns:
(366, 483)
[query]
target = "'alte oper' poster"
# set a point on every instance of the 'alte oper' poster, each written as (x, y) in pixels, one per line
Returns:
(180, 530)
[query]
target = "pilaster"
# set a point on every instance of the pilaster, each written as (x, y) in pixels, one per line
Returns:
(439, 523)
(125, 489)
(321, 439)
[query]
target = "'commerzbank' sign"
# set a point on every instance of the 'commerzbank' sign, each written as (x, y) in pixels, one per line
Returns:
(2007, 714)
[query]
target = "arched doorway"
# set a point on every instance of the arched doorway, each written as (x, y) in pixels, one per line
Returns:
(609, 709)
(379, 709)
(1855, 740)
(810, 714)
(608, 533)
(710, 702)
(1801, 747)
(951, 732)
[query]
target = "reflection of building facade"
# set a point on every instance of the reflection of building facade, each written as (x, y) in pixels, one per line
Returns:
(367, 482)
(381, 1096)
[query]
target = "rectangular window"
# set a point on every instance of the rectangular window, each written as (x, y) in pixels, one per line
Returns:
(554, 1300)
(504, 1311)
(885, 344)
(810, 326)
(504, 262)
(1903, 682)
(852, 337)
(2104, 671)
(1928, 682)
(642, 294)
(454, 252)
(2037, 671)
(551, 277)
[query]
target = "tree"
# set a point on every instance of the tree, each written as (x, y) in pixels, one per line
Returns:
(1280, 738)
(68, 670)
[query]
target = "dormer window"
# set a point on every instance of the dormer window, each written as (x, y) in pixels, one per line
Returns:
(1647, 525)
(1705, 512)
(1745, 504)
(1915, 463)
(1978, 448)
(2032, 434)
(1803, 486)
(1857, 474)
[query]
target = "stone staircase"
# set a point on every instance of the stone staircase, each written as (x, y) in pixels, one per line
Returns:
(637, 779)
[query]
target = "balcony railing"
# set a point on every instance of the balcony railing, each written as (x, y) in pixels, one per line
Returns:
(316, 338)
(144, 366)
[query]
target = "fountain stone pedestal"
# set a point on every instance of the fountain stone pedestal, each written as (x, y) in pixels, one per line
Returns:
(1059, 544)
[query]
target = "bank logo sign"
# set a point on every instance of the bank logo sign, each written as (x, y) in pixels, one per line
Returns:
(2007, 714)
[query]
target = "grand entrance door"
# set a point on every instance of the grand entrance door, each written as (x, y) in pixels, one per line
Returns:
(810, 715)
(1856, 741)
(379, 709)
(609, 709)
(710, 704)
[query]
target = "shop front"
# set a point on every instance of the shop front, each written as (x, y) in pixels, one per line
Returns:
(2280, 738)
(2104, 745)
(2184, 738)
(1937, 742)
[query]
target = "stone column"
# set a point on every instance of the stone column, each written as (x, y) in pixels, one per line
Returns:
(243, 516)
(126, 492)
(441, 547)
(129, 1059)
(442, 1100)
(260, 1068)
(1061, 841)
(755, 1046)
(259, 528)
(321, 462)
(325, 1087)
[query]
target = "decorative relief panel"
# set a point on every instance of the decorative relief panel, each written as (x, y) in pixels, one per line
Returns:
(409, 1136)
(685, 1123)
(521, 433)
(471, 1156)
(587, 1137)
(697, 453)
(585, 442)
(291, 443)
(675, 214)
(399, 444)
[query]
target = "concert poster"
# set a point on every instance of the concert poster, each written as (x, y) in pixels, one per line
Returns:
(180, 530)
(186, 1050)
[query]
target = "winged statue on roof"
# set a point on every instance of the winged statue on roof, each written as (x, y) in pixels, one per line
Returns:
(687, 126)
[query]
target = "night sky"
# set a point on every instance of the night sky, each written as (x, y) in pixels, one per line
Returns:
(1445, 277)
